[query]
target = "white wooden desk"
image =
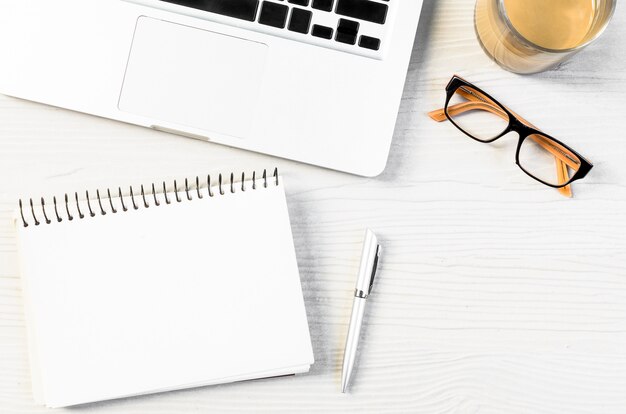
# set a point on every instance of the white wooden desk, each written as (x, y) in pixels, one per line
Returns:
(496, 295)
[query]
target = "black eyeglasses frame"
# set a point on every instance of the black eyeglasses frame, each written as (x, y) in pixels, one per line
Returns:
(515, 125)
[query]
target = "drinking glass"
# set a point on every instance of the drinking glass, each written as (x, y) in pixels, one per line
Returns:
(530, 36)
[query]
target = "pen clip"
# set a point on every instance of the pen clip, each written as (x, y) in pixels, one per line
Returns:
(369, 265)
(374, 269)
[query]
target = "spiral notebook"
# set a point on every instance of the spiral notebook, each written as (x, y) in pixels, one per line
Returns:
(136, 292)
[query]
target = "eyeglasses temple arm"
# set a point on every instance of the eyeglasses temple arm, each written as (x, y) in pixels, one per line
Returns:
(563, 177)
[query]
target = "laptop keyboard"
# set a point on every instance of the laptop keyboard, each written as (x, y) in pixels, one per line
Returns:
(357, 26)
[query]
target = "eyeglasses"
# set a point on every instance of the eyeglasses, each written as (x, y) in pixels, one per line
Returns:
(484, 119)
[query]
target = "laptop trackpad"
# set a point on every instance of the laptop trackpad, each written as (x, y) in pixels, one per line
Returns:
(192, 77)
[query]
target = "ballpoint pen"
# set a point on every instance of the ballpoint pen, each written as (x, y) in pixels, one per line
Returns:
(365, 281)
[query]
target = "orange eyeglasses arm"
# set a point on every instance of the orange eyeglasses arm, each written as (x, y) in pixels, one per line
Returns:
(474, 103)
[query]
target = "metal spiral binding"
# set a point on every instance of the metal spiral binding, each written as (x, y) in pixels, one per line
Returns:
(60, 215)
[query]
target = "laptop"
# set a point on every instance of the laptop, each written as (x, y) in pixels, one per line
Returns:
(316, 81)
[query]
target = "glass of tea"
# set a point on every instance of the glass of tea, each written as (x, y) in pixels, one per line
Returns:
(530, 36)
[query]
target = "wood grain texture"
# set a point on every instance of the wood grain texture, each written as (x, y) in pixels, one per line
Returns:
(496, 295)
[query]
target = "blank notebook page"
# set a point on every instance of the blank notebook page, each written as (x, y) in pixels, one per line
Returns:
(172, 296)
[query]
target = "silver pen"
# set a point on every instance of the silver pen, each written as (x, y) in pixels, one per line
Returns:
(365, 281)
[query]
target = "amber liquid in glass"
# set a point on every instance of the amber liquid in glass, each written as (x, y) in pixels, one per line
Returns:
(552, 24)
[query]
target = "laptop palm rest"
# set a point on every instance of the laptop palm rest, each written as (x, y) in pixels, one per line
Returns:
(183, 76)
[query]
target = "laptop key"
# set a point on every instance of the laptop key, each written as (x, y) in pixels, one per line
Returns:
(369, 42)
(347, 31)
(325, 5)
(322, 31)
(300, 20)
(300, 2)
(239, 9)
(363, 10)
(273, 14)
